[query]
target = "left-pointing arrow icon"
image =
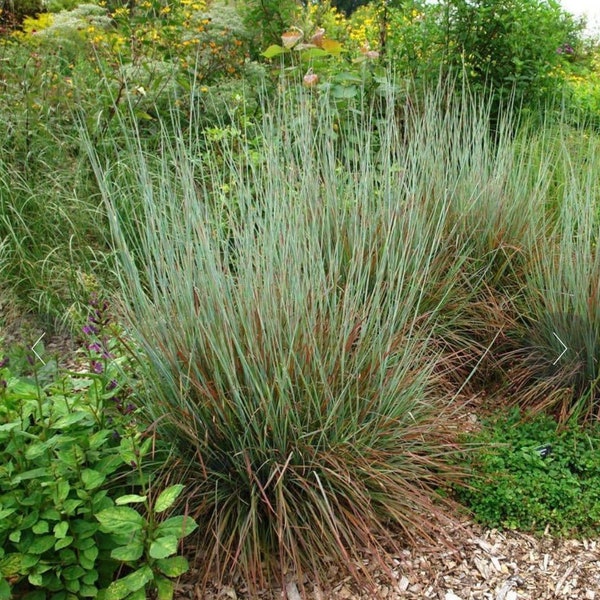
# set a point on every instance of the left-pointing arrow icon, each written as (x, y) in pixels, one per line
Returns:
(33, 347)
(563, 345)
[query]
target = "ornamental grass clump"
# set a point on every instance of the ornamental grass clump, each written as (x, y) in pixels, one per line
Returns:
(559, 345)
(292, 305)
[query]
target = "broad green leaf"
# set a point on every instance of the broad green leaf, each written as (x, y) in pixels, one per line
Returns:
(41, 473)
(40, 527)
(179, 526)
(41, 545)
(117, 590)
(70, 419)
(92, 479)
(138, 579)
(63, 542)
(173, 566)
(5, 593)
(120, 519)
(88, 591)
(129, 553)
(164, 547)
(314, 53)
(37, 449)
(167, 497)
(273, 51)
(343, 91)
(10, 565)
(130, 499)
(6, 513)
(164, 588)
(90, 577)
(61, 491)
(73, 572)
(60, 529)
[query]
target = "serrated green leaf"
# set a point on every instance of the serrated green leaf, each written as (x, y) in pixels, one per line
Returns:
(92, 479)
(173, 566)
(164, 547)
(167, 497)
(179, 526)
(120, 519)
(135, 581)
(130, 499)
(131, 552)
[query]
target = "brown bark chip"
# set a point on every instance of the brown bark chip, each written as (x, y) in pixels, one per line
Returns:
(489, 565)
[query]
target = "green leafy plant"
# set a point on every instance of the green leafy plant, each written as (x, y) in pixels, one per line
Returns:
(69, 447)
(139, 538)
(531, 474)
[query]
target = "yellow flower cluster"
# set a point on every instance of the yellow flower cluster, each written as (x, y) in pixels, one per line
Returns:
(363, 26)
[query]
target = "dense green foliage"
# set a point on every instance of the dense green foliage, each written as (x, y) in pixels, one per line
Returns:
(531, 474)
(72, 451)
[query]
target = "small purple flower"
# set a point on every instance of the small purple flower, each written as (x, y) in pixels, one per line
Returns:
(97, 367)
(112, 384)
(89, 330)
(4, 362)
(95, 347)
(129, 409)
(3, 384)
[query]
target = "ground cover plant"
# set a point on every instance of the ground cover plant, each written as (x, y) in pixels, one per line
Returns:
(531, 474)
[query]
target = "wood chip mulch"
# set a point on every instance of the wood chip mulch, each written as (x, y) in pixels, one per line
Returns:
(489, 565)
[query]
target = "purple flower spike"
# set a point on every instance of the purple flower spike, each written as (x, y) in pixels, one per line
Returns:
(89, 330)
(97, 367)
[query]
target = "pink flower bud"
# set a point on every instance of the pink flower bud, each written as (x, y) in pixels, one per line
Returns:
(311, 79)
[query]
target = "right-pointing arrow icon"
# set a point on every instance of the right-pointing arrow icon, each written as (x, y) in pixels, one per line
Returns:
(563, 345)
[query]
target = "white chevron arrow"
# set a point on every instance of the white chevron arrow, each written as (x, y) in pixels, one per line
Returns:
(33, 347)
(563, 345)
